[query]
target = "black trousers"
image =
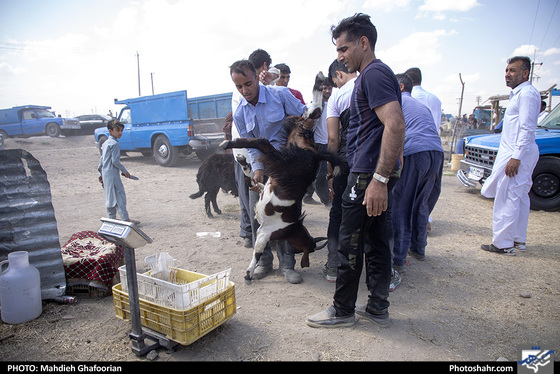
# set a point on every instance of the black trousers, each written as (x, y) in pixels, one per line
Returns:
(362, 240)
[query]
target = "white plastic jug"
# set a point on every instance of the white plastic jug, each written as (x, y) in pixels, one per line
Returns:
(20, 289)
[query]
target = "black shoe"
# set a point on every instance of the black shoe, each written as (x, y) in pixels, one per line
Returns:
(416, 255)
(494, 249)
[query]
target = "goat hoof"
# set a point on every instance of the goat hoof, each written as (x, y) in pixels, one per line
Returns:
(248, 277)
(224, 144)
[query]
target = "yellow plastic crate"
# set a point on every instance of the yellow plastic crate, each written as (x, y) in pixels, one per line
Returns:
(187, 290)
(181, 326)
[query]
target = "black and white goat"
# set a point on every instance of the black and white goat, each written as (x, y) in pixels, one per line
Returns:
(290, 171)
(215, 173)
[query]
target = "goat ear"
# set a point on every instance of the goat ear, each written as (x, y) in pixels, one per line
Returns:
(315, 114)
(319, 81)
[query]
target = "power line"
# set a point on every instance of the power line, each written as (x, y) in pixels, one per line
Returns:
(549, 22)
(17, 46)
(534, 22)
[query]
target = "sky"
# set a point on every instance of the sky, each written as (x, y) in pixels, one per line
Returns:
(77, 56)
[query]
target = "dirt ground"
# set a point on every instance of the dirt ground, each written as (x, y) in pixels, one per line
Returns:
(461, 304)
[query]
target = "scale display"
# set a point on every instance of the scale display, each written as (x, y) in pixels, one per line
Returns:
(123, 233)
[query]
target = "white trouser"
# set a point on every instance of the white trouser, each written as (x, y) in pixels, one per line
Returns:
(511, 213)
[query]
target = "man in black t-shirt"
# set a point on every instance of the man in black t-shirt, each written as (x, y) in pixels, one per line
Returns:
(374, 145)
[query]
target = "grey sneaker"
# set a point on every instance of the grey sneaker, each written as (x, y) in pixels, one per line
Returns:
(503, 251)
(381, 320)
(519, 246)
(248, 243)
(261, 271)
(292, 276)
(328, 319)
(329, 273)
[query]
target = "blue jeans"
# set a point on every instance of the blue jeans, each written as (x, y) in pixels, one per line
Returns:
(414, 198)
(362, 239)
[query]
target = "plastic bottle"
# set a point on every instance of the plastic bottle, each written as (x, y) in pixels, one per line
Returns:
(20, 289)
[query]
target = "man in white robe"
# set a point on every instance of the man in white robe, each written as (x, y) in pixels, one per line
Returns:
(511, 177)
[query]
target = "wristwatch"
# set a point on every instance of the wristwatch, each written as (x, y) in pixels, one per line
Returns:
(380, 178)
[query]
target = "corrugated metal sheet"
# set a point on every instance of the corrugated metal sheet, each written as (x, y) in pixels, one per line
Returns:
(27, 220)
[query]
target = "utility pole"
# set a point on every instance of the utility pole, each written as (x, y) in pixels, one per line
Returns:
(152, 77)
(533, 69)
(462, 91)
(458, 117)
(138, 62)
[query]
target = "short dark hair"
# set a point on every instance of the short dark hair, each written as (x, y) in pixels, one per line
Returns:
(260, 56)
(333, 68)
(525, 62)
(284, 69)
(416, 75)
(114, 124)
(405, 80)
(355, 27)
(242, 67)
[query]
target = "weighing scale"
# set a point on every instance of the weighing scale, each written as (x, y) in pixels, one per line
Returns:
(126, 234)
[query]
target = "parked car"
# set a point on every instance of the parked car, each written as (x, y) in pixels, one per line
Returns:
(90, 122)
(29, 120)
(479, 153)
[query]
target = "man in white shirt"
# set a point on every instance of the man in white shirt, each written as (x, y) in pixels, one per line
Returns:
(511, 177)
(428, 99)
(248, 224)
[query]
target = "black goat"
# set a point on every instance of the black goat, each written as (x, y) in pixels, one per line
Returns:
(215, 173)
(290, 171)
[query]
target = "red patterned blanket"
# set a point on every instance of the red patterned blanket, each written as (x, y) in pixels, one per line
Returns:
(88, 256)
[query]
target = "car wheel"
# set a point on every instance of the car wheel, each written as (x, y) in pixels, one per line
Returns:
(545, 192)
(164, 153)
(52, 130)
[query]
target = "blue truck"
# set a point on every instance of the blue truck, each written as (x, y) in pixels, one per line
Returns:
(479, 153)
(169, 124)
(28, 120)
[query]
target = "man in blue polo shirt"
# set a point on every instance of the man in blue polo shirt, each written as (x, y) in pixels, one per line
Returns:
(374, 143)
(417, 191)
(260, 115)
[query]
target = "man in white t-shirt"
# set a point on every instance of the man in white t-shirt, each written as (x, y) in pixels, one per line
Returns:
(320, 136)
(337, 108)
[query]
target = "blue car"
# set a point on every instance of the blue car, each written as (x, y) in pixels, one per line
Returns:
(479, 153)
